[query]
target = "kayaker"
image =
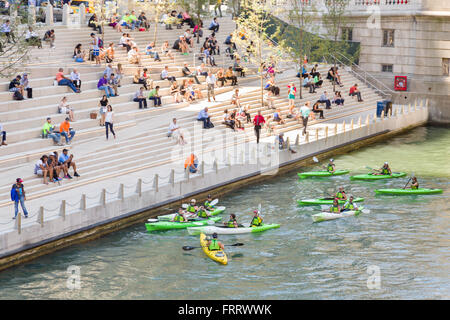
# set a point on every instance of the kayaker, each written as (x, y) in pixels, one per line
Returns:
(208, 204)
(214, 244)
(349, 205)
(232, 223)
(414, 184)
(257, 221)
(202, 213)
(335, 208)
(192, 208)
(341, 194)
(331, 166)
(180, 216)
(385, 170)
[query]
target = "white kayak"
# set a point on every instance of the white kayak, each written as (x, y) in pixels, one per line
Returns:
(325, 216)
(225, 230)
(169, 217)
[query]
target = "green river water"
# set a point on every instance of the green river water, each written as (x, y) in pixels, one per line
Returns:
(405, 238)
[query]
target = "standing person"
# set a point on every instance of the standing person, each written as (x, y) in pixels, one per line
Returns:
(25, 83)
(103, 103)
(211, 81)
(292, 91)
(139, 97)
(3, 134)
(95, 48)
(258, 121)
(304, 113)
(217, 6)
(109, 121)
(18, 195)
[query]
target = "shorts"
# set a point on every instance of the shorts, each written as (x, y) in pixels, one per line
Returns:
(39, 172)
(14, 89)
(95, 52)
(292, 97)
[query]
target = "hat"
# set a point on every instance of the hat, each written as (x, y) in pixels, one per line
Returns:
(331, 160)
(385, 163)
(193, 200)
(214, 235)
(19, 180)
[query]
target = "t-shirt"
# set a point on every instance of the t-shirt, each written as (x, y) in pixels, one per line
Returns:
(108, 117)
(47, 128)
(59, 76)
(305, 111)
(13, 83)
(152, 93)
(38, 165)
(64, 127)
(172, 126)
(63, 158)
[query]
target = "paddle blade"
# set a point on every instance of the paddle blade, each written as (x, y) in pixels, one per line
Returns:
(184, 206)
(152, 220)
(214, 202)
(187, 248)
(324, 208)
(259, 208)
(211, 222)
(365, 211)
(236, 245)
(315, 159)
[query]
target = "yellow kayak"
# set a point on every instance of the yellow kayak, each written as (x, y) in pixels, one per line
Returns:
(217, 255)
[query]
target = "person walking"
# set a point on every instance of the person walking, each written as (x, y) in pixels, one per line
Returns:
(18, 195)
(211, 81)
(305, 111)
(258, 121)
(109, 121)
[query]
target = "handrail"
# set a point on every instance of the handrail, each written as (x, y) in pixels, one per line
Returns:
(365, 76)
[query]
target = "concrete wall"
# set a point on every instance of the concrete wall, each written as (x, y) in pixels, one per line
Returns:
(18, 244)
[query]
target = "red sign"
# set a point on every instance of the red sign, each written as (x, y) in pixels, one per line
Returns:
(401, 83)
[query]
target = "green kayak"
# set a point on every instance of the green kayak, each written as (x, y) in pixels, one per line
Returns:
(401, 192)
(215, 212)
(371, 176)
(226, 230)
(168, 225)
(323, 201)
(321, 174)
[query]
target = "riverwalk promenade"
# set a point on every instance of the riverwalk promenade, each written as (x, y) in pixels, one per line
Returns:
(141, 174)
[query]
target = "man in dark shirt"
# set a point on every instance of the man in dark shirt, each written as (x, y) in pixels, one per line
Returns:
(188, 73)
(14, 85)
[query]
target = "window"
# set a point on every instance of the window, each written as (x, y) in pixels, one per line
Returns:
(387, 68)
(446, 66)
(347, 34)
(388, 38)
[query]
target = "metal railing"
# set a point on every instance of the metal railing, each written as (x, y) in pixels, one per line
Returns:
(363, 75)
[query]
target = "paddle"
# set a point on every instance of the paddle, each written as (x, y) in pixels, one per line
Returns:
(317, 161)
(186, 248)
(213, 203)
(412, 175)
(373, 169)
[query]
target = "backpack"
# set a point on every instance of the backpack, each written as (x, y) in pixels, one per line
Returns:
(17, 96)
(100, 43)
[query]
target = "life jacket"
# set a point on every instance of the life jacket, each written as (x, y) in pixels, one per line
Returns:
(349, 206)
(413, 187)
(231, 223)
(256, 222)
(340, 195)
(191, 209)
(384, 171)
(335, 209)
(202, 214)
(208, 205)
(330, 168)
(214, 245)
(178, 218)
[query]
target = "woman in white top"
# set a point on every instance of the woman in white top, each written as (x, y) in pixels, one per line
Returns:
(175, 132)
(166, 51)
(64, 108)
(32, 38)
(134, 56)
(109, 121)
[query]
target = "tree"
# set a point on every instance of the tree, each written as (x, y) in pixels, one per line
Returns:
(158, 7)
(252, 36)
(14, 50)
(297, 41)
(334, 19)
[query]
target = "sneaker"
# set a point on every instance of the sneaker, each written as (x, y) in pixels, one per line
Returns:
(76, 174)
(69, 176)
(26, 216)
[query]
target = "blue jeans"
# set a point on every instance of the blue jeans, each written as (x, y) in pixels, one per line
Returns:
(72, 134)
(3, 133)
(156, 101)
(55, 136)
(16, 207)
(108, 90)
(135, 23)
(66, 82)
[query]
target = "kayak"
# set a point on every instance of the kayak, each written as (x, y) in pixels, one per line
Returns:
(226, 230)
(216, 255)
(322, 174)
(170, 216)
(371, 176)
(325, 216)
(401, 192)
(323, 201)
(168, 225)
